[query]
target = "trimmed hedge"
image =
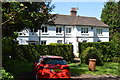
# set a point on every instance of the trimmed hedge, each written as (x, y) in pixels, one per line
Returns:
(110, 50)
(29, 53)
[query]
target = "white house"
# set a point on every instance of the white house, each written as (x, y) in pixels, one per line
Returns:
(68, 29)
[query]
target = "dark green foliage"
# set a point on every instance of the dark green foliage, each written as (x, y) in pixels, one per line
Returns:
(91, 53)
(109, 49)
(17, 16)
(110, 16)
(29, 53)
(5, 75)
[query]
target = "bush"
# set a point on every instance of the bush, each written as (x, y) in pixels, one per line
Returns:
(5, 75)
(108, 49)
(91, 53)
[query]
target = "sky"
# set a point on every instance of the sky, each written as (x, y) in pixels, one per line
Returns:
(88, 9)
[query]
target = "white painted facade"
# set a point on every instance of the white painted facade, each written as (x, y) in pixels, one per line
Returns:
(74, 35)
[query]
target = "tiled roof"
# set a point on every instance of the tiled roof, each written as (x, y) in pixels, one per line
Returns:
(79, 20)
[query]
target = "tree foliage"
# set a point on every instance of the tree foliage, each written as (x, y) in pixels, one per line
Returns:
(110, 16)
(19, 15)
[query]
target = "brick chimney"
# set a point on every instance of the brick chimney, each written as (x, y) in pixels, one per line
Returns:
(73, 12)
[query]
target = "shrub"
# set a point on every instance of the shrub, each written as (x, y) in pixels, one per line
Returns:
(108, 49)
(5, 75)
(91, 53)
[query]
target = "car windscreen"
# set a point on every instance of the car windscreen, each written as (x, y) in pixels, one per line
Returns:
(54, 61)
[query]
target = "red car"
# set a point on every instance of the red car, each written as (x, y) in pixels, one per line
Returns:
(51, 67)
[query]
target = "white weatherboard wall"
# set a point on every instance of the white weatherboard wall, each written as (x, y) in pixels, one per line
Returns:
(70, 38)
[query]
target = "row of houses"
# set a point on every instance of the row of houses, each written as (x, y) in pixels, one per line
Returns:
(68, 29)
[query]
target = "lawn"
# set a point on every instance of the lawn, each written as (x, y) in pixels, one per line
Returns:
(17, 68)
(106, 69)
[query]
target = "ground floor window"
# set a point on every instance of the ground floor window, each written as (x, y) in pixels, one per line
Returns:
(99, 41)
(43, 42)
(84, 40)
(32, 43)
(59, 41)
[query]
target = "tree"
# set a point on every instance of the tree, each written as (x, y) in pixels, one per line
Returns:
(19, 15)
(110, 16)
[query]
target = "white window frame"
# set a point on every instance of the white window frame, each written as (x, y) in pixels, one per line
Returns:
(43, 42)
(84, 30)
(99, 31)
(58, 30)
(68, 30)
(44, 29)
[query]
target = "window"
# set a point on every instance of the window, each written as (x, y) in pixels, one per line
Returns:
(99, 31)
(58, 29)
(99, 41)
(32, 43)
(43, 42)
(54, 61)
(20, 33)
(44, 30)
(59, 41)
(68, 30)
(84, 40)
(84, 30)
(33, 30)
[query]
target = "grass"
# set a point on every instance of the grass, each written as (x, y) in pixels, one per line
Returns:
(17, 68)
(106, 69)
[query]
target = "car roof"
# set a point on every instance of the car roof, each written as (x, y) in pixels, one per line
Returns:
(48, 56)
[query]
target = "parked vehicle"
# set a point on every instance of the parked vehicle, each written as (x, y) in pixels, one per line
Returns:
(51, 67)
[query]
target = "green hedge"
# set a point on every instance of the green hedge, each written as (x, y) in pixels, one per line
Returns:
(110, 51)
(29, 53)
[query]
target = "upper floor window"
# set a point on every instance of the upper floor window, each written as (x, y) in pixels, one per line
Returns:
(68, 30)
(99, 31)
(58, 29)
(84, 30)
(44, 29)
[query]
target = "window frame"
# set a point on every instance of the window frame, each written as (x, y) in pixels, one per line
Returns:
(58, 30)
(44, 29)
(99, 31)
(59, 42)
(68, 30)
(43, 42)
(84, 30)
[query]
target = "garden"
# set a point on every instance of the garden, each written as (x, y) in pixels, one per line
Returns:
(22, 58)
